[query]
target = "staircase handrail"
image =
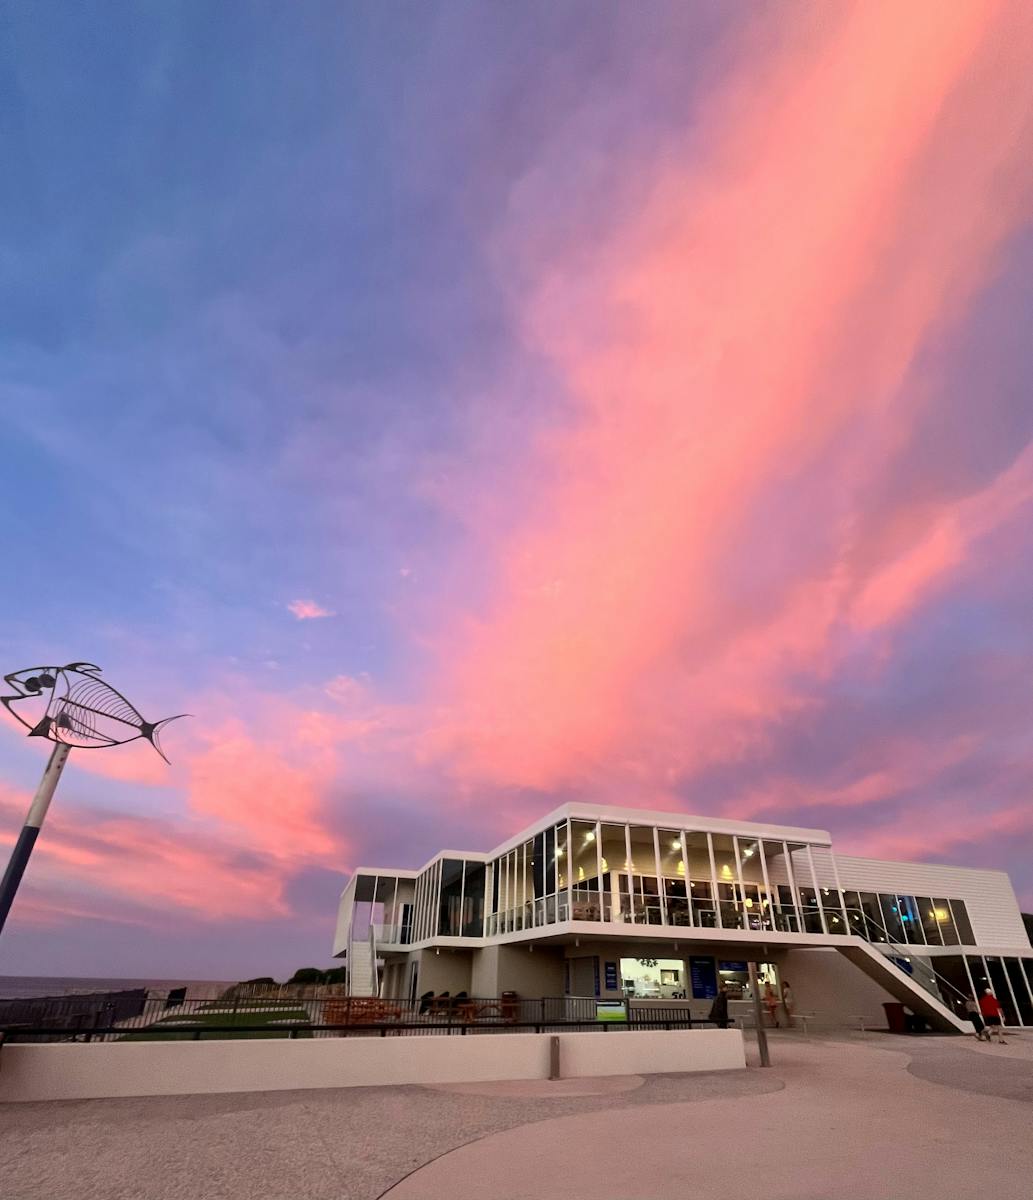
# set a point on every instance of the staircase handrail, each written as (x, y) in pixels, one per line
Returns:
(903, 950)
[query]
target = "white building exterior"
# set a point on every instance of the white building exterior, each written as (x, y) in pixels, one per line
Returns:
(573, 904)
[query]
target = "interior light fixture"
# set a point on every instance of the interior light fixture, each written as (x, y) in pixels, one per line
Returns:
(590, 836)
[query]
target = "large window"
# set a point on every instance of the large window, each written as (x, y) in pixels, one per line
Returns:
(1002, 989)
(1010, 980)
(584, 867)
(961, 923)
(473, 899)
(450, 903)
(1023, 1000)
(646, 901)
(941, 910)
(702, 893)
(891, 918)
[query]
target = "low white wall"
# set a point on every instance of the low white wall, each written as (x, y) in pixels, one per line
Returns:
(77, 1071)
(648, 1052)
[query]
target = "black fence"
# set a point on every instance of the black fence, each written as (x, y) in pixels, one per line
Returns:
(182, 1016)
(74, 1011)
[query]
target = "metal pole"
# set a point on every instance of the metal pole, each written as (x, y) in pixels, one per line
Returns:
(30, 830)
(762, 1033)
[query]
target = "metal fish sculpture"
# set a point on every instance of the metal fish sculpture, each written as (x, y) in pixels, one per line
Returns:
(70, 705)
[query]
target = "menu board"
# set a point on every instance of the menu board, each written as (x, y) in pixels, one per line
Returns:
(612, 983)
(703, 973)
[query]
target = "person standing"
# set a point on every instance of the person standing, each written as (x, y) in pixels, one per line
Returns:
(974, 1015)
(719, 1009)
(993, 1016)
(788, 1002)
(771, 1003)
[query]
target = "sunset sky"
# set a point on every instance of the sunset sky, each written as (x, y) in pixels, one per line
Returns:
(464, 407)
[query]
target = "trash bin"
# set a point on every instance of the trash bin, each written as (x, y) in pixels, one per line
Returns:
(895, 1017)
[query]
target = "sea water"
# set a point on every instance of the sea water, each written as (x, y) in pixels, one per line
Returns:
(19, 987)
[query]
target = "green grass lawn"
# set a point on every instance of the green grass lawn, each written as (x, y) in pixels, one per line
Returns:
(172, 1027)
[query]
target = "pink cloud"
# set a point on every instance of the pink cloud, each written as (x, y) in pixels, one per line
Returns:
(943, 545)
(145, 862)
(308, 610)
(756, 320)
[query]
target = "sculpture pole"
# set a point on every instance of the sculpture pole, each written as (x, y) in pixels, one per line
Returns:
(30, 830)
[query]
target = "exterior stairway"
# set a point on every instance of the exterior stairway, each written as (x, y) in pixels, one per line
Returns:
(911, 990)
(361, 969)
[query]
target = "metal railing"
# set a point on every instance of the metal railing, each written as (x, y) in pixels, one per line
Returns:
(921, 970)
(193, 1018)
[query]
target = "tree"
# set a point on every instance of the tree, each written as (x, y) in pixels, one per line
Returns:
(647, 962)
(308, 975)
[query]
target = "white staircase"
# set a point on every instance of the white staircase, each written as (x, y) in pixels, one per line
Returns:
(362, 968)
(913, 990)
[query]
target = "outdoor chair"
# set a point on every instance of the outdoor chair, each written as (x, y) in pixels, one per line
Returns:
(439, 1004)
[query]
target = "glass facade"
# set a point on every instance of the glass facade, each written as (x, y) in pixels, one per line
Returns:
(591, 871)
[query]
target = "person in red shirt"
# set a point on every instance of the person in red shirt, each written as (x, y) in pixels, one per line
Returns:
(993, 1016)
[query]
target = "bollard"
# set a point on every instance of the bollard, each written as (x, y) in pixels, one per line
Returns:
(554, 1057)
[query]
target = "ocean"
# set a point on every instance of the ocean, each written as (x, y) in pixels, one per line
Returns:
(20, 987)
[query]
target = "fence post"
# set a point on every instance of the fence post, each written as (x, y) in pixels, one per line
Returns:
(554, 1057)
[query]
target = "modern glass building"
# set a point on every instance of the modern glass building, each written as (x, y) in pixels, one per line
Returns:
(580, 902)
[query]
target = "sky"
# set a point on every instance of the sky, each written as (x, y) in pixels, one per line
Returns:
(462, 408)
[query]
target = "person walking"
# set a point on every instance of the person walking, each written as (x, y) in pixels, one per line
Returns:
(788, 1002)
(974, 1015)
(993, 1016)
(719, 1009)
(771, 1003)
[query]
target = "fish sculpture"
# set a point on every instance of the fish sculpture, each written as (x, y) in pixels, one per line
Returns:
(71, 705)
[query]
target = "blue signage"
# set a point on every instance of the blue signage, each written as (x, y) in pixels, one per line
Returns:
(612, 983)
(703, 974)
(734, 966)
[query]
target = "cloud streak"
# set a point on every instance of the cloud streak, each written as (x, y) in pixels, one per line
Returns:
(308, 610)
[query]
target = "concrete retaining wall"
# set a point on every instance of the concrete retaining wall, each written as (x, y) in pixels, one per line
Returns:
(648, 1052)
(76, 1071)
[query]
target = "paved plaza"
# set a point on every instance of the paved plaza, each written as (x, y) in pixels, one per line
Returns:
(835, 1118)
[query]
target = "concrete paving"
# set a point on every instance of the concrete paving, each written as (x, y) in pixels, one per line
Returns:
(850, 1118)
(855, 1121)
